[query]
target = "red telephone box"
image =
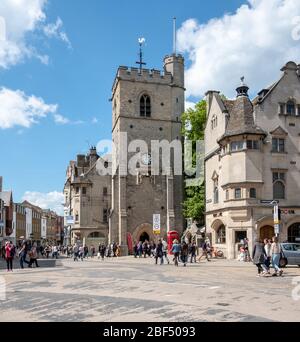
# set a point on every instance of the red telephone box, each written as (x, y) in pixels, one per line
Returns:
(172, 235)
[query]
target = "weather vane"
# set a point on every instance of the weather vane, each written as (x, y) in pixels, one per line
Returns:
(243, 79)
(141, 63)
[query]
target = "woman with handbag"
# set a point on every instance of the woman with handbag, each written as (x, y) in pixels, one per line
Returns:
(276, 255)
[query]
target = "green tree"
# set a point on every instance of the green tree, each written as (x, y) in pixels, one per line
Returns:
(193, 126)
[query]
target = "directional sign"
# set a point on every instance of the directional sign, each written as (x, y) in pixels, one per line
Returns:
(156, 224)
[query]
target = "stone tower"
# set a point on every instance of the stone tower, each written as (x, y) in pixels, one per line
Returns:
(147, 105)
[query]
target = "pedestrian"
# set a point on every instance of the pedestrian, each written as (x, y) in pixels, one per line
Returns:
(204, 252)
(276, 255)
(102, 250)
(159, 252)
(118, 251)
(75, 252)
(86, 252)
(192, 252)
(33, 255)
(9, 255)
(267, 247)
(184, 252)
(54, 252)
(259, 257)
(23, 254)
(135, 250)
(176, 250)
(165, 250)
(140, 249)
(81, 252)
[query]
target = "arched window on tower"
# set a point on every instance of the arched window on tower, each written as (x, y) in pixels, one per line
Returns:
(145, 106)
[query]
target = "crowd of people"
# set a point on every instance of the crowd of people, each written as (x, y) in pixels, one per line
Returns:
(266, 253)
(182, 252)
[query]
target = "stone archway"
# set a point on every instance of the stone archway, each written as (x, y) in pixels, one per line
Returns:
(143, 230)
(266, 232)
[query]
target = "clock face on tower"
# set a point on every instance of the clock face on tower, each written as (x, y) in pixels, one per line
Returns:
(146, 159)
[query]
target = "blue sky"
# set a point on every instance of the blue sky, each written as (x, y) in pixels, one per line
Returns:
(68, 58)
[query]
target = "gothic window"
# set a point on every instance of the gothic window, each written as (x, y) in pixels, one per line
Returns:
(145, 106)
(278, 190)
(278, 145)
(216, 191)
(252, 193)
(290, 108)
(221, 235)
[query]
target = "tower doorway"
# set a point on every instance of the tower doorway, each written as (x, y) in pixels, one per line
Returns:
(144, 237)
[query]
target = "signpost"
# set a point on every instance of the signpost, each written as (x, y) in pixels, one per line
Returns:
(156, 224)
(277, 218)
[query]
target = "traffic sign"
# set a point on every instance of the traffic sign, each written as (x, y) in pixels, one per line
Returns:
(156, 224)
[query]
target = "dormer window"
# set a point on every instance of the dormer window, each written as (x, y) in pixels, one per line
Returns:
(291, 108)
(145, 106)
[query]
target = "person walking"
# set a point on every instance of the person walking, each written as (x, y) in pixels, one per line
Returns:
(159, 252)
(276, 255)
(75, 252)
(102, 250)
(33, 256)
(267, 247)
(204, 251)
(184, 253)
(259, 257)
(192, 251)
(9, 255)
(176, 250)
(165, 251)
(23, 254)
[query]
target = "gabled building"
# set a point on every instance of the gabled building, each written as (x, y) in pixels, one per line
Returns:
(87, 200)
(253, 156)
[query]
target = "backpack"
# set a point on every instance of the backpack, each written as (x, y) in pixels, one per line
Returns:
(13, 252)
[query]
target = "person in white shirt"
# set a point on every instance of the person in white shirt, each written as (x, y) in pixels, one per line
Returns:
(165, 250)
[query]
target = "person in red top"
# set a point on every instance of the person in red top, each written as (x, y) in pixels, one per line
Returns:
(9, 249)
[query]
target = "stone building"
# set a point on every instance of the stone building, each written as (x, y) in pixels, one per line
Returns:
(33, 222)
(87, 200)
(253, 156)
(147, 105)
(6, 212)
(19, 221)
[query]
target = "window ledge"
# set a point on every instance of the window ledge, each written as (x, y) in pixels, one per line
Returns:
(277, 153)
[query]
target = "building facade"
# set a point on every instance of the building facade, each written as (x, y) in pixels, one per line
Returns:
(87, 201)
(147, 106)
(252, 156)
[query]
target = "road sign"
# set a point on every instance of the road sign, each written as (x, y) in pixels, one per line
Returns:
(276, 215)
(277, 229)
(156, 224)
(70, 220)
(268, 201)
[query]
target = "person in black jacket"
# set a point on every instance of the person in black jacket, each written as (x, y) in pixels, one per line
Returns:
(159, 252)
(259, 257)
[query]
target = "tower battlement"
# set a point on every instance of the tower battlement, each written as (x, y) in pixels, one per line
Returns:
(133, 74)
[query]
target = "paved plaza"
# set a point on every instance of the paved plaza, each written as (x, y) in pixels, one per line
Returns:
(133, 290)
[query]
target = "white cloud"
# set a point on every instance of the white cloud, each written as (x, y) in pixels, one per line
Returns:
(255, 42)
(189, 105)
(19, 18)
(55, 30)
(94, 120)
(18, 109)
(52, 200)
(61, 120)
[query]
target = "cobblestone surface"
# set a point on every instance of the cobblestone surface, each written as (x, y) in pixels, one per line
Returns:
(131, 290)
